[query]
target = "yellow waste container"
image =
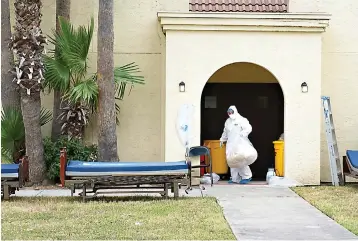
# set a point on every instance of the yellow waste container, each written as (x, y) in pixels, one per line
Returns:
(218, 156)
(279, 160)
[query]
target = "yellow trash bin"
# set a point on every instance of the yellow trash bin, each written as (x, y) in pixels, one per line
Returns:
(279, 160)
(218, 156)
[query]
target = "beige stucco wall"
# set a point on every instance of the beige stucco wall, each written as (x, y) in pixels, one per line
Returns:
(339, 71)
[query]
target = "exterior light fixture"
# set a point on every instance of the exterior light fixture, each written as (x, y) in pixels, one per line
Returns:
(182, 87)
(304, 87)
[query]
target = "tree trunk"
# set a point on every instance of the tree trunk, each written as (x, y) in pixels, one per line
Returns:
(28, 45)
(107, 138)
(63, 8)
(31, 107)
(9, 94)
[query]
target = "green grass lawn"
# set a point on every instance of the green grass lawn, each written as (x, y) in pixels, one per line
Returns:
(339, 203)
(113, 218)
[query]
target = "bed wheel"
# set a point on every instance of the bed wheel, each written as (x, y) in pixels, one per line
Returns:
(188, 189)
(12, 190)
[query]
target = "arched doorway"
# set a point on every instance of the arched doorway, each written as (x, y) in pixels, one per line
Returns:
(257, 95)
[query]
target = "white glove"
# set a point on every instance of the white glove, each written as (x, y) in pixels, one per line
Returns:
(221, 144)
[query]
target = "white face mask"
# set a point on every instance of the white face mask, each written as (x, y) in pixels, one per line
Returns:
(234, 114)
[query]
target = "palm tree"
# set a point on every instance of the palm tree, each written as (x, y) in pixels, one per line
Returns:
(9, 93)
(27, 44)
(63, 9)
(66, 71)
(13, 133)
(107, 138)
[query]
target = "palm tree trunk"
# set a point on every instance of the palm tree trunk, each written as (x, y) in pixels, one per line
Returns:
(107, 138)
(31, 107)
(9, 93)
(27, 42)
(63, 8)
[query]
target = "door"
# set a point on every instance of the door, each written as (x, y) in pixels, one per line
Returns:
(261, 104)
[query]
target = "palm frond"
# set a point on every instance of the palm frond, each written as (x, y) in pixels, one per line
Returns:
(84, 92)
(74, 45)
(12, 129)
(84, 38)
(118, 109)
(126, 74)
(6, 156)
(57, 74)
(69, 61)
(45, 116)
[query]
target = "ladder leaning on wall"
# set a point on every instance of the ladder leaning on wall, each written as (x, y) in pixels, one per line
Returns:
(335, 162)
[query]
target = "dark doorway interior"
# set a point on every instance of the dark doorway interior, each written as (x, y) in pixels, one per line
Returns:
(261, 104)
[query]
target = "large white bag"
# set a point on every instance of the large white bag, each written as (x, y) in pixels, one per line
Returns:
(184, 123)
(239, 150)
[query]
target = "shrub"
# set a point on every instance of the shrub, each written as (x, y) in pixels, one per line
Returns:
(13, 133)
(76, 150)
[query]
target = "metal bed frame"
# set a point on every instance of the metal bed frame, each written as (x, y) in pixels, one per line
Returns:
(347, 170)
(9, 185)
(118, 184)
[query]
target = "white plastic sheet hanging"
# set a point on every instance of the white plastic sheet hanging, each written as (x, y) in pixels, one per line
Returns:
(184, 124)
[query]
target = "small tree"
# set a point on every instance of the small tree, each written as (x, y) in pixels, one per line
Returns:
(13, 133)
(67, 71)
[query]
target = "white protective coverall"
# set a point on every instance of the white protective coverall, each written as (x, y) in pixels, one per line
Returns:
(238, 125)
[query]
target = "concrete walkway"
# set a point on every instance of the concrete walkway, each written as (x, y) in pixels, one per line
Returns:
(259, 212)
(273, 213)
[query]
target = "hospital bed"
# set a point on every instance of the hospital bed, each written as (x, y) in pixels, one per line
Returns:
(11, 179)
(150, 177)
(350, 164)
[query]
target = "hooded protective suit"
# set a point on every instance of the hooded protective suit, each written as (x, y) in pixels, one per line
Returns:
(239, 151)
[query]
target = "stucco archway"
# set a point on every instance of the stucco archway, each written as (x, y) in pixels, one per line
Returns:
(288, 45)
(258, 96)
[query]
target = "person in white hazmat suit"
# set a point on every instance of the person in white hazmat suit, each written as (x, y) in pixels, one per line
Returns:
(238, 127)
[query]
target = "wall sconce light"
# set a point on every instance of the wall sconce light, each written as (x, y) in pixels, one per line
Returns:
(304, 87)
(182, 87)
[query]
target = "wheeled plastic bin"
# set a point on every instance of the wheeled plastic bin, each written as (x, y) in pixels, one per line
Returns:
(279, 158)
(218, 156)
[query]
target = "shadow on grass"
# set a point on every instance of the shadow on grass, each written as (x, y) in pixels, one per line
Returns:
(101, 199)
(350, 185)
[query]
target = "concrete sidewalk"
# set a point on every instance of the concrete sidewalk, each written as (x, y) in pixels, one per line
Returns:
(259, 212)
(275, 213)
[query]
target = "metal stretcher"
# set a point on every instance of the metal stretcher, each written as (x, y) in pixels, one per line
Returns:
(152, 177)
(12, 178)
(350, 164)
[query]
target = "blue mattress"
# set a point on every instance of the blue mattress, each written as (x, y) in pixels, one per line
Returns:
(353, 157)
(81, 168)
(9, 170)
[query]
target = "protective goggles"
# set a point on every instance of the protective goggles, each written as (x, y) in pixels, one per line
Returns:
(230, 112)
